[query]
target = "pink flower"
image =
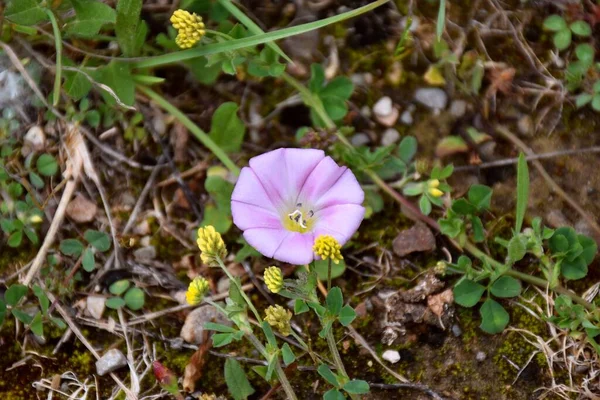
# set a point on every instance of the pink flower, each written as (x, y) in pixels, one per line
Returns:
(288, 197)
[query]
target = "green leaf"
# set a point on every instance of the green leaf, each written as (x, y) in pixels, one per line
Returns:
(407, 148)
(14, 294)
(581, 28)
(425, 205)
(558, 243)
(36, 181)
(357, 386)
(77, 85)
(480, 196)
(321, 267)
(88, 262)
(347, 315)
(37, 325)
(451, 227)
(15, 239)
(555, 23)
(329, 376)
(287, 354)
(91, 16)
(340, 87)
(468, 293)
(590, 248)
(237, 382)
(134, 299)
(42, 298)
(60, 324)
(334, 300)
(300, 307)
(494, 317)
(585, 52)
(463, 207)
(2, 312)
(47, 165)
(127, 25)
(506, 286)
(119, 287)
(71, 247)
(441, 20)
(517, 247)
(114, 303)
(269, 334)
(522, 191)
(334, 394)
(21, 316)
(218, 218)
(596, 102)
(211, 326)
(222, 339)
(583, 99)
(227, 130)
(562, 39)
(98, 240)
(478, 231)
(24, 12)
(574, 269)
(117, 76)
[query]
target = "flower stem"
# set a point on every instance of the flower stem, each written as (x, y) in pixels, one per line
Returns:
(337, 359)
(329, 275)
(244, 295)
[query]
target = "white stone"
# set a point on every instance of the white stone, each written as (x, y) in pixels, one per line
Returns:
(390, 136)
(391, 355)
(480, 356)
(95, 306)
(111, 361)
(406, 118)
(360, 139)
(458, 108)
(145, 253)
(383, 107)
(433, 98)
(36, 138)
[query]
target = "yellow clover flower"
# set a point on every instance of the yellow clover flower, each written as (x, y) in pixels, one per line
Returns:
(327, 247)
(273, 279)
(278, 317)
(190, 28)
(196, 290)
(432, 188)
(211, 245)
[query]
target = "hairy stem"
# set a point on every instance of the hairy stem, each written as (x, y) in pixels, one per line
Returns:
(239, 286)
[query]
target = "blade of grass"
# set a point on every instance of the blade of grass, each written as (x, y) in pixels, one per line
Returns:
(237, 44)
(58, 45)
(192, 127)
(441, 20)
(252, 26)
(522, 191)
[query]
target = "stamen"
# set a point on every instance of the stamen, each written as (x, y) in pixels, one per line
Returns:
(297, 217)
(311, 214)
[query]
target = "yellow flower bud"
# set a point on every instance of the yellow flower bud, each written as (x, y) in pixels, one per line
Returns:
(435, 192)
(327, 247)
(211, 245)
(273, 279)
(433, 183)
(196, 291)
(440, 268)
(35, 219)
(190, 28)
(279, 318)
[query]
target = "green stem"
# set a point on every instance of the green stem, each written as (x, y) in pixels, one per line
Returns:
(337, 359)
(329, 275)
(193, 128)
(239, 286)
(58, 45)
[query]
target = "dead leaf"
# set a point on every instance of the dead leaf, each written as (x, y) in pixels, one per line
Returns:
(437, 302)
(194, 368)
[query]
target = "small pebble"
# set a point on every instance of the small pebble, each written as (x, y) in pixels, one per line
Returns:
(145, 253)
(385, 112)
(193, 328)
(480, 356)
(111, 361)
(36, 138)
(360, 139)
(456, 331)
(525, 126)
(391, 355)
(433, 98)
(390, 136)
(458, 108)
(95, 306)
(406, 118)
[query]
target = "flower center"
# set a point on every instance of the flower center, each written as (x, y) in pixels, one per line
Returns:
(299, 220)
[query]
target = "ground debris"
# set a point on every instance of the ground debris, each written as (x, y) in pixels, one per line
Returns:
(111, 361)
(417, 238)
